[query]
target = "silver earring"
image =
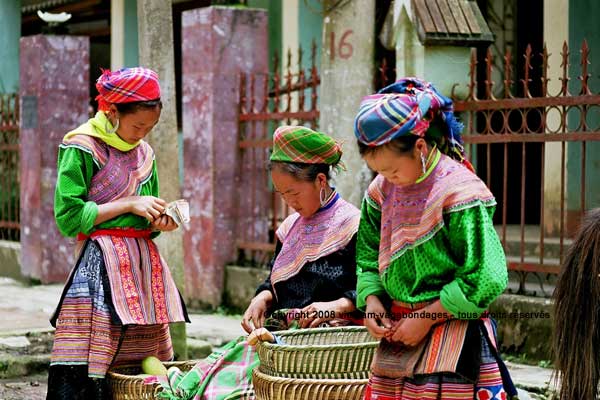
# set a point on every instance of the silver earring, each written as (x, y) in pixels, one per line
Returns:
(322, 197)
(423, 163)
(114, 129)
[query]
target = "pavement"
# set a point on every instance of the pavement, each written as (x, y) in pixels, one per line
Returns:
(26, 336)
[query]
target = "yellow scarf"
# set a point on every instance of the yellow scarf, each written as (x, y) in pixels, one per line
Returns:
(97, 128)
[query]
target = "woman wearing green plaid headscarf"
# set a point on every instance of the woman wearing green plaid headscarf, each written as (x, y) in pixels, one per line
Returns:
(313, 268)
(313, 272)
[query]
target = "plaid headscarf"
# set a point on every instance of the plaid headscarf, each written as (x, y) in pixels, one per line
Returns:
(303, 145)
(407, 107)
(126, 85)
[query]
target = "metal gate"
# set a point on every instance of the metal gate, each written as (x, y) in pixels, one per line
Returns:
(267, 101)
(9, 167)
(538, 153)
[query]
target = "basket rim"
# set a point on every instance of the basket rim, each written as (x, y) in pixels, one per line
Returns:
(310, 331)
(114, 374)
(281, 380)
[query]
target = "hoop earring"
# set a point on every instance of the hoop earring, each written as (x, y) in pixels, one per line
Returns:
(423, 163)
(114, 129)
(322, 197)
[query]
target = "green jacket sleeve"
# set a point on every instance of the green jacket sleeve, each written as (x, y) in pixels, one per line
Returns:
(72, 211)
(482, 274)
(367, 255)
(155, 190)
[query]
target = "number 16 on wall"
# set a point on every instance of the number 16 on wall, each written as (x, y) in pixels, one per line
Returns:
(343, 48)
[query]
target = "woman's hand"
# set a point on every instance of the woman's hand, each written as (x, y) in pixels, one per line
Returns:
(410, 331)
(316, 313)
(149, 207)
(260, 335)
(255, 314)
(164, 223)
(376, 320)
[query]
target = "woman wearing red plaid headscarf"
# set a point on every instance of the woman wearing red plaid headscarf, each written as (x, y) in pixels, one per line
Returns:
(120, 296)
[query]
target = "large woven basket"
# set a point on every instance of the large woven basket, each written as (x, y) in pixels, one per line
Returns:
(277, 388)
(319, 353)
(124, 385)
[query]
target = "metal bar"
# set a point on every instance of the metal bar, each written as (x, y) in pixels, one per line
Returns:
(544, 77)
(562, 202)
(489, 83)
(507, 75)
(583, 162)
(565, 69)
(542, 198)
(527, 67)
(533, 102)
(9, 128)
(505, 195)
(288, 80)
(276, 85)
(532, 137)
(533, 267)
(522, 222)
(296, 87)
(585, 51)
(10, 225)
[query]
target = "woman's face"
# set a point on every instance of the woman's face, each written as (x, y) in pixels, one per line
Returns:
(300, 195)
(135, 126)
(399, 169)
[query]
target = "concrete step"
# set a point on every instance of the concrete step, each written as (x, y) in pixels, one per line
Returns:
(535, 382)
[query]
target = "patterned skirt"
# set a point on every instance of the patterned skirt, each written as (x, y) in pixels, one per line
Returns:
(492, 380)
(90, 330)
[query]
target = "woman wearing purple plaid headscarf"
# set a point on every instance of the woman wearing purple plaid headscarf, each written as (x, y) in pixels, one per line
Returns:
(429, 261)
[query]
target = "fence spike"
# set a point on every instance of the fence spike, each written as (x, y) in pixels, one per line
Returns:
(545, 67)
(489, 83)
(527, 67)
(565, 69)
(508, 74)
(585, 52)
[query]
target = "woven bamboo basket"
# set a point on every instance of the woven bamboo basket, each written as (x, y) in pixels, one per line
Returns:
(124, 385)
(319, 353)
(277, 388)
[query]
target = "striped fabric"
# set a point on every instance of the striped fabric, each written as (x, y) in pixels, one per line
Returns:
(414, 213)
(303, 145)
(121, 173)
(489, 387)
(126, 85)
(88, 332)
(487, 381)
(308, 239)
(142, 286)
(439, 352)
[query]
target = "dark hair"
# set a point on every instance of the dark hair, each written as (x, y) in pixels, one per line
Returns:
(135, 106)
(301, 171)
(577, 314)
